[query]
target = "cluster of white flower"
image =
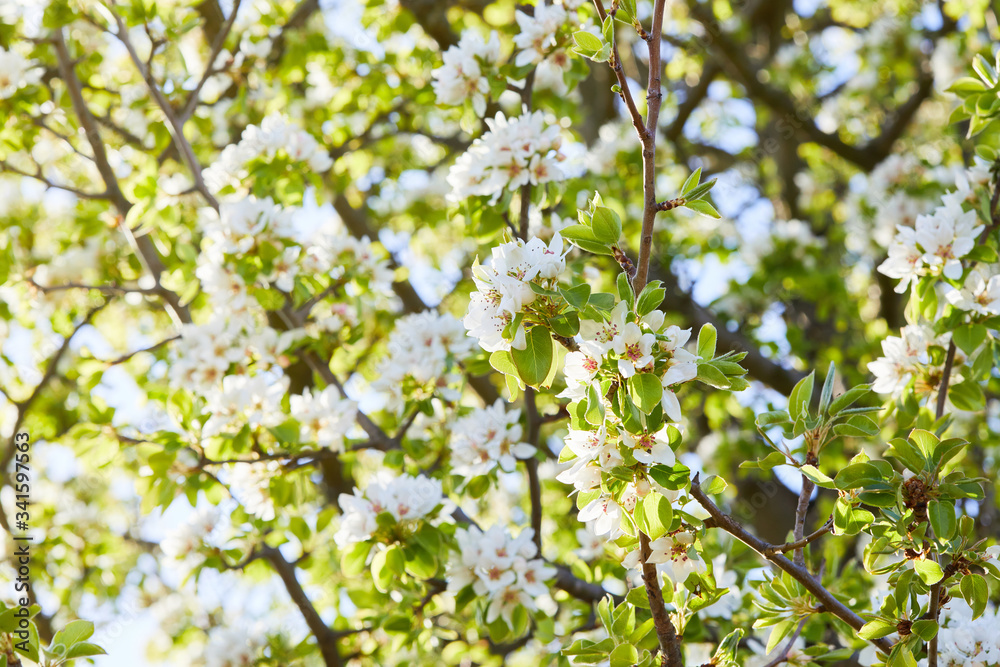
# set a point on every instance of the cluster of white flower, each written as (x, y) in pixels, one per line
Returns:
(16, 72)
(247, 226)
(502, 569)
(964, 642)
(250, 483)
(504, 288)
(462, 76)
(514, 152)
(896, 193)
(537, 33)
(324, 417)
(184, 541)
(254, 400)
(633, 347)
(205, 352)
(406, 498)
(423, 348)
(275, 134)
(243, 224)
(936, 243)
(906, 357)
(486, 438)
(233, 646)
(978, 295)
(673, 554)
(622, 348)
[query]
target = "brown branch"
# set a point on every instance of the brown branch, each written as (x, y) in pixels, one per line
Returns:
(152, 348)
(769, 552)
(801, 509)
(175, 123)
(325, 637)
(654, 96)
(141, 245)
(734, 57)
(40, 177)
(625, 92)
(803, 541)
(217, 43)
(665, 632)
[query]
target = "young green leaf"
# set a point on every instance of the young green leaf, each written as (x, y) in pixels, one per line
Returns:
(535, 360)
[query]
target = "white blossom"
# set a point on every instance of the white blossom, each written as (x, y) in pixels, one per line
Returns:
(978, 295)
(325, 417)
(16, 72)
(503, 570)
(461, 77)
(514, 152)
(487, 438)
(423, 348)
(504, 288)
(537, 33)
(408, 499)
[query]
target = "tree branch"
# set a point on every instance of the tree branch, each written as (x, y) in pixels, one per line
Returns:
(773, 555)
(325, 637)
(141, 245)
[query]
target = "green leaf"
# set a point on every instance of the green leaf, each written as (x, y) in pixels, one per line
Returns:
(976, 592)
(566, 325)
(577, 296)
(587, 41)
(387, 565)
(595, 407)
(827, 394)
(849, 398)
(772, 417)
(901, 656)
(925, 629)
(703, 207)
(816, 477)
(798, 401)
(967, 84)
(770, 461)
(780, 630)
(942, 518)
(353, 560)
(693, 179)
(650, 298)
(671, 478)
(928, 571)
(697, 192)
(535, 360)
(714, 485)
(624, 655)
(707, 337)
(876, 629)
(503, 362)
(712, 376)
(606, 225)
(907, 453)
(83, 650)
(654, 515)
(969, 337)
(857, 475)
(646, 391)
(625, 292)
